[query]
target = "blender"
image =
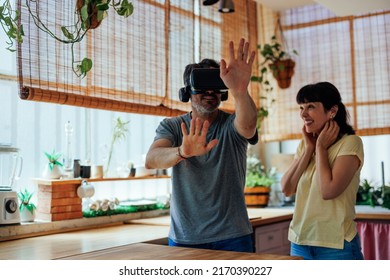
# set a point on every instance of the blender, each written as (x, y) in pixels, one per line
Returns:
(10, 169)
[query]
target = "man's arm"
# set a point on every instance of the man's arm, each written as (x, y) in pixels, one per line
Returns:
(236, 74)
(162, 155)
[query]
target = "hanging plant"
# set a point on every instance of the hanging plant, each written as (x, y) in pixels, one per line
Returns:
(276, 60)
(9, 23)
(90, 15)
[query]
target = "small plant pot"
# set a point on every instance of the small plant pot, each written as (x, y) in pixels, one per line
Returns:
(93, 21)
(26, 215)
(54, 173)
(257, 196)
(283, 70)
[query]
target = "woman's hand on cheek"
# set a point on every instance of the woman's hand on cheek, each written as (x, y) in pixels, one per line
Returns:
(328, 134)
(310, 141)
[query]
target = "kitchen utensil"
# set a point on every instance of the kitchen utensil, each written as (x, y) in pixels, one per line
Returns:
(9, 208)
(10, 167)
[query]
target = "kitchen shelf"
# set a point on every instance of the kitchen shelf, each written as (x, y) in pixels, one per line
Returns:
(58, 199)
(52, 182)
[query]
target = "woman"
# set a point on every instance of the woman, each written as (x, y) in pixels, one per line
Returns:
(325, 176)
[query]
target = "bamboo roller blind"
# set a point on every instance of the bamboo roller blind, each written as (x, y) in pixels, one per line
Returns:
(353, 53)
(138, 62)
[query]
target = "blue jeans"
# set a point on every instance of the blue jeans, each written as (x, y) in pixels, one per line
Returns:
(239, 244)
(351, 251)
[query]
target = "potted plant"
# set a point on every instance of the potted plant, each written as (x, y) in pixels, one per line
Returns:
(26, 207)
(90, 14)
(258, 183)
(370, 194)
(119, 132)
(53, 170)
(278, 61)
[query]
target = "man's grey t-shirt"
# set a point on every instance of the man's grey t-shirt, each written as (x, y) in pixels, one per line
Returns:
(207, 202)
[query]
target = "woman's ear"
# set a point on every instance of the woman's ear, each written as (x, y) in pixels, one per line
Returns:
(333, 111)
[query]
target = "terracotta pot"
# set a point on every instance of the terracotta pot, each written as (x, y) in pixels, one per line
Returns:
(92, 11)
(257, 196)
(283, 70)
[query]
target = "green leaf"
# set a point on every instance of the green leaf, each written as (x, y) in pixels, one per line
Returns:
(85, 66)
(102, 6)
(9, 22)
(84, 13)
(100, 15)
(126, 9)
(66, 33)
(30, 207)
(53, 158)
(256, 174)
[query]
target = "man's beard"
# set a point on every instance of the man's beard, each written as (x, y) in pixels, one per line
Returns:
(205, 110)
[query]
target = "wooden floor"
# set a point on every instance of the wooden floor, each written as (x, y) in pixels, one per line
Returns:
(62, 245)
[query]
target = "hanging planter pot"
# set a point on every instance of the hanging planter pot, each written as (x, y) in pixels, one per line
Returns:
(283, 70)
(277, 58)
(90, 15)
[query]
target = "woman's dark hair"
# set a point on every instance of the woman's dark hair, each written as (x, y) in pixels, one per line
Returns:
(329, 96)
(205, 63)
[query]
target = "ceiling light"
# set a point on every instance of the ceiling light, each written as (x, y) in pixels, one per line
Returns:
(226, 6)
(209, 2)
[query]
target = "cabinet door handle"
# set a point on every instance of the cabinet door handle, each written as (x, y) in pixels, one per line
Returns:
(270, 237)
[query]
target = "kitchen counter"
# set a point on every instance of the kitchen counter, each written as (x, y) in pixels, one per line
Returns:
(140, 251)
(258, 216)
(77, 241)
(120, 242)
(366, 212)
(39, 228)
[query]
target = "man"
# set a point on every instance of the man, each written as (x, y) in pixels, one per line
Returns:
(207, 150)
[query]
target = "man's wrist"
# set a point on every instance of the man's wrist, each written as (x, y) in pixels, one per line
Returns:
(179, 154)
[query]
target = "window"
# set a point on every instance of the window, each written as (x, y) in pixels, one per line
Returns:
(138, 61)
(146, 77)
(351, 52)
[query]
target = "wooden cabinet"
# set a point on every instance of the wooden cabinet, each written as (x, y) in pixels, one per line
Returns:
(272, 238)
(58, 200)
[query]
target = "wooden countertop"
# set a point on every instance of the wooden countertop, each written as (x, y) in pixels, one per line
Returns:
(258, 217)
(366, 212)
(62, 245)
(142, 251)
(150, 230)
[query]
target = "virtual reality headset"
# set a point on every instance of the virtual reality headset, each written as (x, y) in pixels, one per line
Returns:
(201, 80)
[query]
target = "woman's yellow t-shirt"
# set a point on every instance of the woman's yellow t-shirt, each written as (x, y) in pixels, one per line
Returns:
(326, 223)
